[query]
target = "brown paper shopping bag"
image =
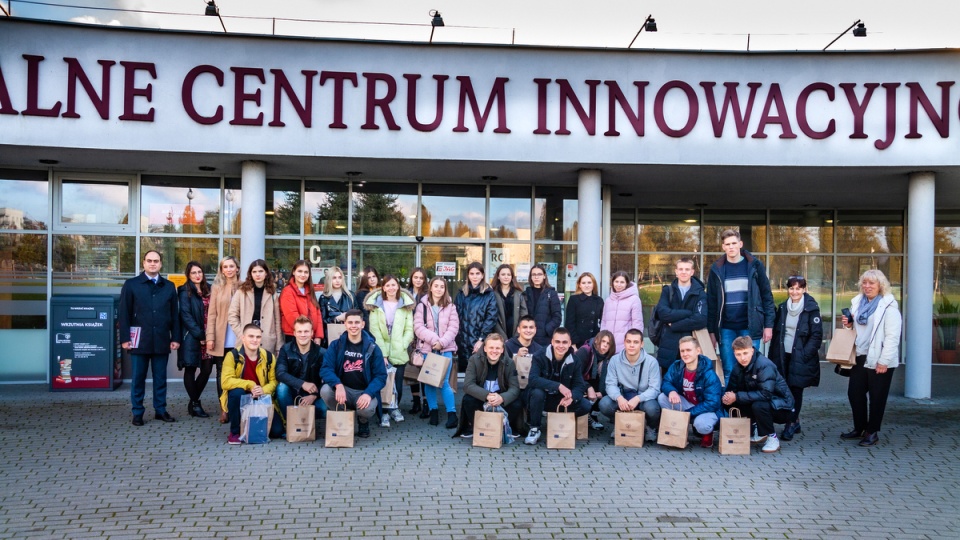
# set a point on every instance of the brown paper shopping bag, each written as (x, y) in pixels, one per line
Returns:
(488, 429)
(334, 331)
(412, 371)
(561, 430)
(301, 422)
(629, 428)
(523, 364)
(734, 434)
(433, 370)
(673, 428)
(583, 427)
(339, 428)
(843, 347)
(388, 393)
(706, 347)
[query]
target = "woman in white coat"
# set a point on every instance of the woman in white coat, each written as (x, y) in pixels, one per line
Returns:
(876, 317)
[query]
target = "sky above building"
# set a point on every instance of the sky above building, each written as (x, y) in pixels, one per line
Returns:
(689, 25)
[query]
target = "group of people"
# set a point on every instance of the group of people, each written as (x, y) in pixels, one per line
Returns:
(269, 342)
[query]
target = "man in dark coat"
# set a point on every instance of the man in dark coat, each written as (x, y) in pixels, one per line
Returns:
(759, 391)
(556, 380)
(682, 309)
(149, 321)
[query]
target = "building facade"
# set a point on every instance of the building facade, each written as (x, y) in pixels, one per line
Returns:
(397, 155)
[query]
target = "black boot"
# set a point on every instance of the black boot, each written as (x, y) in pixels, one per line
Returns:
(416, 404)
(434, 417)
(192, 408)
(452, 420)
(424, 410)
(198, 411)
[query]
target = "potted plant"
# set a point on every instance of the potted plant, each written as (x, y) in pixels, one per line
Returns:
(948, 319)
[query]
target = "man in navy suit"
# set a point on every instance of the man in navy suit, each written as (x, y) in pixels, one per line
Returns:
(149, 328)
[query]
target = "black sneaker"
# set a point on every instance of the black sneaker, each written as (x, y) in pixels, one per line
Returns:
(363, 430)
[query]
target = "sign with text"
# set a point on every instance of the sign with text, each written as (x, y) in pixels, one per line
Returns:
(84, 349)
(446, 269)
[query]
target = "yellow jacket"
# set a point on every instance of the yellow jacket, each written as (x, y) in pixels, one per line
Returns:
(232, 374)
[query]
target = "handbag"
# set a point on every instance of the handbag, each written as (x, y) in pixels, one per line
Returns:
(656, 325)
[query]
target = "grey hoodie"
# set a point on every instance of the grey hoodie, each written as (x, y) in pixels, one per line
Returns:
(642, 377)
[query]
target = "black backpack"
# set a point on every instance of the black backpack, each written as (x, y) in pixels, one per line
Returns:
(657, 326)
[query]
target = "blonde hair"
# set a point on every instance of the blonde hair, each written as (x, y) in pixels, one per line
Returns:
(596, 291)
(343, 289)
(874, 274)
(221, 280)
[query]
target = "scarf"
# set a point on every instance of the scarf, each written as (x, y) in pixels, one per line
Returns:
(867, 307)
(795, 309)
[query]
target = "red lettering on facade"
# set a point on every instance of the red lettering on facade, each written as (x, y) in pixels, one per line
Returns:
(615, 97)
(774, 99)
(542, 107)
(33, 89)
(693, 109)
(131, 91)
(498, 94)
(75, 74)
(6, 105)
(858, 108)
(412, 102)
(338, 77)
(186, 95)
(281, 87)
(919, 98)
(802, 121)
(382, 103)
(891, 89)
(589, 120)
(731, 101)
(241, 96)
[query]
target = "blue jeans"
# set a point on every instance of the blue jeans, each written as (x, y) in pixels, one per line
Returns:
(432, 393)
(726, 338)
(286, 397)
(233, 412)
(138, 389)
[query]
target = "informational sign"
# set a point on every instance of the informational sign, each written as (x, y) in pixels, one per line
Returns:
(571, 278)
(497, 257)
(446, 269)
(84, 349)
(551, 269)
(177, 279)
(523, 272)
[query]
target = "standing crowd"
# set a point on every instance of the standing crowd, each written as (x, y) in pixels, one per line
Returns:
(339, 350)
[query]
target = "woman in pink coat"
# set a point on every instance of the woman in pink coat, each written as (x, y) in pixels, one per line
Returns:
(436, 324)
(622, 310)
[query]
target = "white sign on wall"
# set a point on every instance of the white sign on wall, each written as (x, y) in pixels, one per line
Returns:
(446, 269)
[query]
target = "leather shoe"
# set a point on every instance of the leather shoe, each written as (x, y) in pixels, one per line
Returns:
(852, 435)
(138, 419)
(870, 439)
(165, 417)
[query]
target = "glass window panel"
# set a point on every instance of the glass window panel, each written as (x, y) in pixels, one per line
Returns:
(232, 199)
(453, 211)
(668, 230)
(510, 212)
(947, 232)
(178, 204)
(946, 309)
(462, 255)
(517, 255)
(869, 231)
(619, 262)
(24, 197)
(395, 259)
(23, 281)
(283, 207)
(752, 225)
(97, 203)
(325, 206)
(381, 209)
(624, 230)
(92, 264)
(653, 272)
(818, 271)
(849, 270)
(556, 214)
(801, 231)
(281, 255)
(323, 255)
(231, 246)
(556, 258)
(178, 251)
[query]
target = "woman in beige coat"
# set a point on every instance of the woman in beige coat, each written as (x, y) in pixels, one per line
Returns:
(256, 302)
(220, 337)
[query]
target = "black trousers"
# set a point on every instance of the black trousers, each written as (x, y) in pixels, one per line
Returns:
(866, 383)
(764, 415)
(540, 401)
(469, 405)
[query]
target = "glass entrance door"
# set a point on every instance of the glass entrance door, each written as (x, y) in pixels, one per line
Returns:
(458, 255)
(395, 259)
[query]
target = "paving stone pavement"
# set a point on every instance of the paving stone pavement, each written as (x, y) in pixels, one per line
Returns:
(74, 467)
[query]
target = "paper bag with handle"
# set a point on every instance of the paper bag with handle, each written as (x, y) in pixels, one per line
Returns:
(339, 428)
(434, 369)
(523, 364)
(628, 428)
(706, 347)
(673, 428)
(734, 434)
(301, 422)
(488, 429)
(843, 348)
(561, 430)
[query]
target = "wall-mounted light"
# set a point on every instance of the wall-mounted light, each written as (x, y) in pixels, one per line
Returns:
(650, 25)
(435, 22)
(213, 11)
(859, 31)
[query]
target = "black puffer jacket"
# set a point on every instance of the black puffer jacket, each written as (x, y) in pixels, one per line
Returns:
(680, 318)
(592, 362)
(546, 311)
(477, 309)
(760, 381)
(548, 374)
(193, 324)
(583, 317)
(803, 369)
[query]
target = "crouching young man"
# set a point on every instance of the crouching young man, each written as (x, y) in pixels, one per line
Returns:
(633, 383)
(248, 369)
(760, 392)
(556, 380)
(490, 379)
(353, 372)
(691, 384)
(298, 367)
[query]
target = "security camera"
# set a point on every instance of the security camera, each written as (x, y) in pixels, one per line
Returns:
(419, 238)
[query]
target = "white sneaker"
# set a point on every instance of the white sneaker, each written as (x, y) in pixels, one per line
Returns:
(385, 421)
(755, 438)
(533, 436)
(772, 445)
(396, 415)
(650, 434)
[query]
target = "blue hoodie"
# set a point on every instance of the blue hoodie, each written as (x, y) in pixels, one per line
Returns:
(374, 369)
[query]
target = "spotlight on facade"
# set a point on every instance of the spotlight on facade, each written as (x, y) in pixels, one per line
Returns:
(859, 30)
(437, 21)
(212, 9)
(650, 25)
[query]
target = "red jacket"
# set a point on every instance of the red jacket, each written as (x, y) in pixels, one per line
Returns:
(293, 304)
